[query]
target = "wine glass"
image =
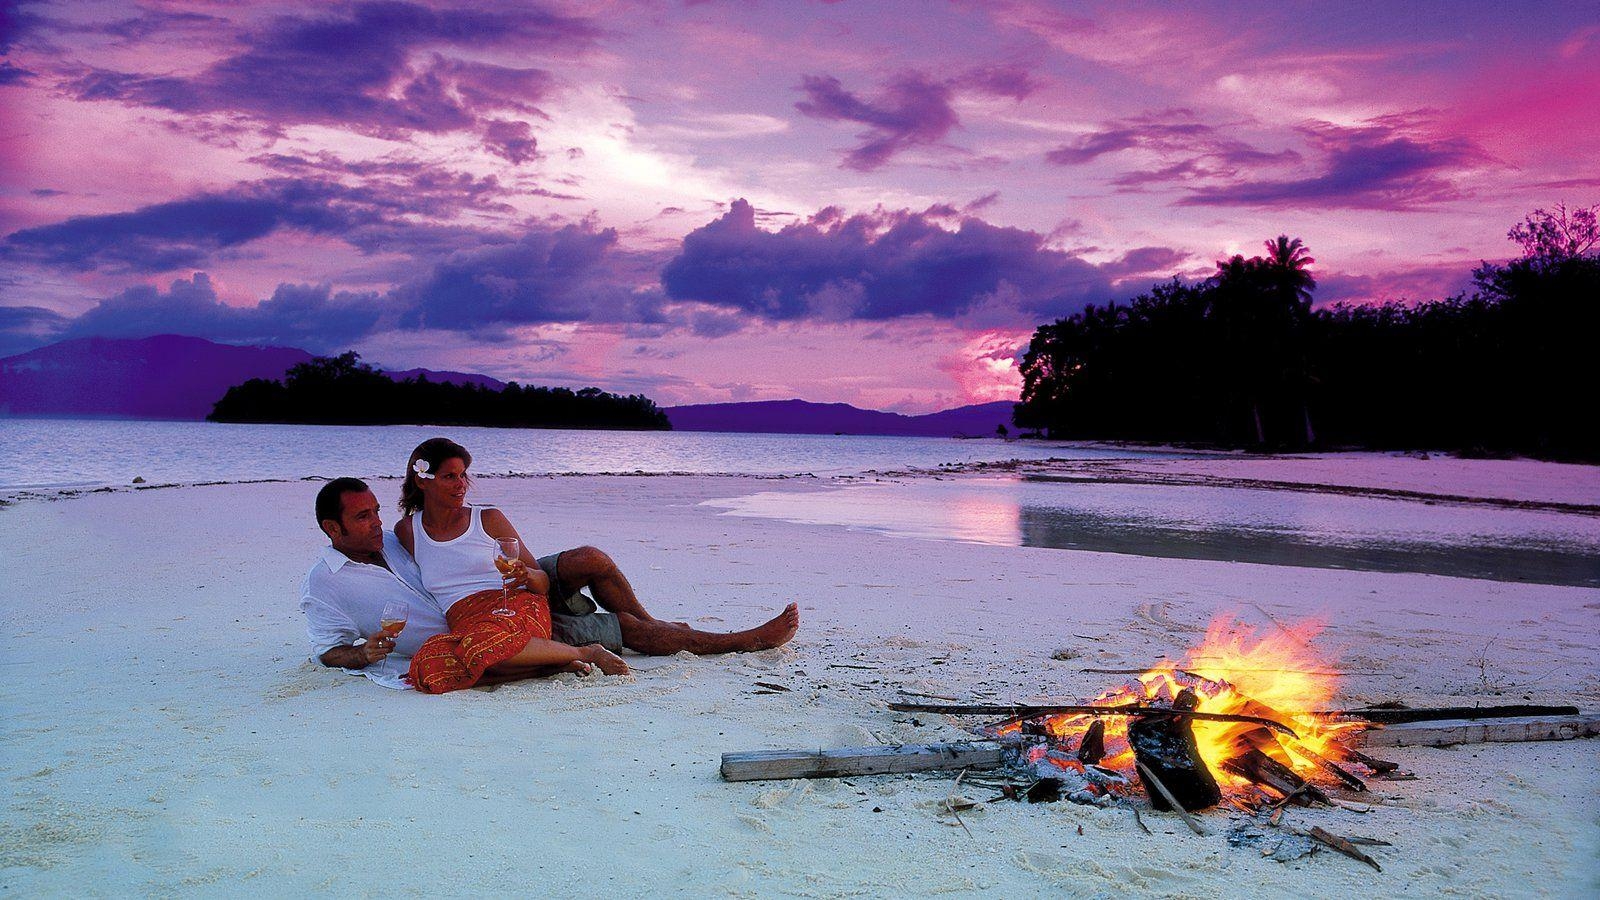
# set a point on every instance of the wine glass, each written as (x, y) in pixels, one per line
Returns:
(506, 552)
(393, 619)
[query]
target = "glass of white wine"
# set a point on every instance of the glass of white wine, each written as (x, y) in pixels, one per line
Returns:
(393, 619)
(506, 552)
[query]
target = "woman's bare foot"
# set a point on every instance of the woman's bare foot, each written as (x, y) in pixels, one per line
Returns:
(608, 662)
(578, 667)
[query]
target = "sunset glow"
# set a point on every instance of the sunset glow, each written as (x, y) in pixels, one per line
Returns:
(868, 203)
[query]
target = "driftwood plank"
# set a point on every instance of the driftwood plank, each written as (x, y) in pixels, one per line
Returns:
(1463, 731)
(760, 765)
(1429, 714)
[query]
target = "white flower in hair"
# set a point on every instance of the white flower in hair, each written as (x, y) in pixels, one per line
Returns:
(421, 468)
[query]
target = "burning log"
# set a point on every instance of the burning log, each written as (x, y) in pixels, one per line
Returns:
(1345, 776)
(1259, 768)
(1165, 752)
(1023, 712)
(1378, 766)
(1062, 775)
(1168, 801)
(1093, 747)
(1262, 740)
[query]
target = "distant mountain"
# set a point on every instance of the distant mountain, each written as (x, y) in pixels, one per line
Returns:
(804, 417)
(493, 384)
(164, 377)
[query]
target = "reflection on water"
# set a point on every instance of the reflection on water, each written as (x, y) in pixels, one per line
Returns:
(1074, 530)
(1185, 522)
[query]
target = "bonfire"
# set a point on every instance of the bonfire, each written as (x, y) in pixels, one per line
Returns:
(1246, 719)
(1242, 713)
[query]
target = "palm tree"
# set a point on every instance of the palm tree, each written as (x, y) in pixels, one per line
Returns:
(1289, 259)
(1238, 307)
(1287, 264)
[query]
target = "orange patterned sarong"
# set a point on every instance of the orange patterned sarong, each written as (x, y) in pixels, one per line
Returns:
(478, 639)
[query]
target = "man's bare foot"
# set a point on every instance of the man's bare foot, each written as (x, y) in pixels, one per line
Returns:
(578, 667)
(609, 663)
(777, 632)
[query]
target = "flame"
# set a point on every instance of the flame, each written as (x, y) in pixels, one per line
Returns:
(1275, 674)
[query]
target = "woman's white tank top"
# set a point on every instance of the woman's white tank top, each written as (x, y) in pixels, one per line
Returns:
(459, 567)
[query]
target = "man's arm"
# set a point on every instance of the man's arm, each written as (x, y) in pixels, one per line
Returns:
(377, 647)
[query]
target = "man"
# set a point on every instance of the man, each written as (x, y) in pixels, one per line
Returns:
(364, 567)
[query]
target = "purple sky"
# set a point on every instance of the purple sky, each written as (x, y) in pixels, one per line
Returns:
(868, 202)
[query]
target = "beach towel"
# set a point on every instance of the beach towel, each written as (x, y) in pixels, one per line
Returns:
(477, 639)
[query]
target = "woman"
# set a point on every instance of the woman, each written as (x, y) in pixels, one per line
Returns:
(454, 545)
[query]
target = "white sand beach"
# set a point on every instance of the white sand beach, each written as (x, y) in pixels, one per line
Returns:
(163, 733)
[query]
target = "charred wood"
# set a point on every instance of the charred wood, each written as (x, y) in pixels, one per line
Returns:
(1164, 749)
(1261, 769)
(1024, 712)
(1432, 714)
(1093, 747)
(1345, 776)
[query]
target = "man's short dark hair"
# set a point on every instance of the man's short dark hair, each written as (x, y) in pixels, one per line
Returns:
(330, 500)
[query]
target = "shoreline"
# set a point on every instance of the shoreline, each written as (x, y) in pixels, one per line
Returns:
(1116, 472)
(1576, 484)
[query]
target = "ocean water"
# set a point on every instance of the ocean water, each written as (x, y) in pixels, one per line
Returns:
(89, 453)
(1267, 527)
(1282, 528)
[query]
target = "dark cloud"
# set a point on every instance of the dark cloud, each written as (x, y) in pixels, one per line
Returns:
(1012, 81)
(510, 140)
(982, 203)
(15, 21)
(1193, 150)
(716, 323)
(478, 284)
(23, 328)
(1418, 283)
(308, 316)
(1126, 136)
(188, 233)
(911, 110)
(483, 284)
(1179, 171)
(880, 266)
(181, 233)
(362, 69)
(150, 22)
(1374, 167)
(10, 74)
(571, 273)
(1155, 261)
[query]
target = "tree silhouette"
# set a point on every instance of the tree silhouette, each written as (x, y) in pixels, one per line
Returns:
(1559, 235)
(1241, 358)
(342, 390)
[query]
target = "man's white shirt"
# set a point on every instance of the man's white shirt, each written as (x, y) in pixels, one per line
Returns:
(343, 601)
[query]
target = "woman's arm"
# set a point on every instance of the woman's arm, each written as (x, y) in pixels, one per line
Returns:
(402, 530)
(533, 577)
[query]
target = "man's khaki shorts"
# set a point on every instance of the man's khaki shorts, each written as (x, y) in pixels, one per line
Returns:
(574, 616)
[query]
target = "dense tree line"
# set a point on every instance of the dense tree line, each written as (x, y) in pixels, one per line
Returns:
(1242, 358)
(342, 390)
